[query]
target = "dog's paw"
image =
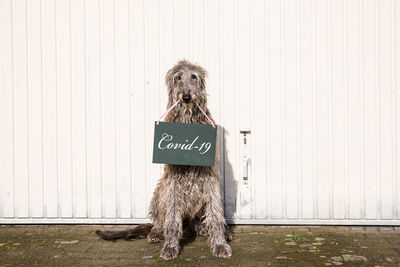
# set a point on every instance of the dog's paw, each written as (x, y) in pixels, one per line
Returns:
(155, 237)
(222, 251)
(169, 253)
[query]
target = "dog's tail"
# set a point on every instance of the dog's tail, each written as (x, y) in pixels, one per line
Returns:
(139, 232)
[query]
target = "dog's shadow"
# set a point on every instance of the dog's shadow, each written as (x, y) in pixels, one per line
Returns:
(189, 236)
(229, 187)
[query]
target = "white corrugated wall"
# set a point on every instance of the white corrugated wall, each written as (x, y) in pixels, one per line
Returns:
(316, 81)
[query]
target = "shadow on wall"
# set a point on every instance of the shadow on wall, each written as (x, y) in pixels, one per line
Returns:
(229, 184)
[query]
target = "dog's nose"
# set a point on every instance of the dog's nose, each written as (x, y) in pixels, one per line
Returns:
(186, 98)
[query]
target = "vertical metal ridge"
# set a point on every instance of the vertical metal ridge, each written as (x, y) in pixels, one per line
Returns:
(395, 112)
(146, 154)
(362, 105)
(252, 111)
(394, 130)
(298, 117)
(378, 107)
(330, 113)
(268, 109)
(100, 29)
(41, 107)
(205, 33)
(160, 82)
(117, 200)
(131, 94)
(130, 109)
(115, 119)
(70, 103)
(174, 28)
(86, 112)
(314, 107)
(237, 148)
(190, 28)
(28, 91)
(57, 111)
(159, 59)
(283, 106)
(346, 108)
(13, 96)
(221, 99)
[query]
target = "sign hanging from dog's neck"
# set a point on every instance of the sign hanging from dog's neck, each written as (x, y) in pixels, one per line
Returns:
(184, 143)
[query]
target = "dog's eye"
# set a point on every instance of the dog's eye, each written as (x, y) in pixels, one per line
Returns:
(193, 77)
(178, 78)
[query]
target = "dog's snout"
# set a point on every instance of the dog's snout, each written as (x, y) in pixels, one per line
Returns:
(186, 97)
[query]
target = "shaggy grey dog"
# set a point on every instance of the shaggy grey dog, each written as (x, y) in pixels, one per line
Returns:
(186, 197)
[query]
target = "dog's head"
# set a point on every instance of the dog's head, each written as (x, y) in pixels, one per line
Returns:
(186, 82)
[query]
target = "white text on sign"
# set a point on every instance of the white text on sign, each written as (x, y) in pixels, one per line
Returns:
(166, 143)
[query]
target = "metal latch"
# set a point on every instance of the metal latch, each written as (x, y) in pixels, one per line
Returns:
(245, 159)
(245, 131)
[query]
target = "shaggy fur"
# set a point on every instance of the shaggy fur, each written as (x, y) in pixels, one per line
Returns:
(186, 197)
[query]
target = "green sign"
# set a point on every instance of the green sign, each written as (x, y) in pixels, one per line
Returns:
(184, 144)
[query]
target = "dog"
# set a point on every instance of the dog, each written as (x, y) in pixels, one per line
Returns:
(186, 197)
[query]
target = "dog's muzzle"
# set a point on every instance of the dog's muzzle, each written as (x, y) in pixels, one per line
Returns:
(187, 98)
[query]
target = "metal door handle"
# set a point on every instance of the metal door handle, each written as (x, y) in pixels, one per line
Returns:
(245, 167)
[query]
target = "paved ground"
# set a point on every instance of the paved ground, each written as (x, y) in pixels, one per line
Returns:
(68, 245)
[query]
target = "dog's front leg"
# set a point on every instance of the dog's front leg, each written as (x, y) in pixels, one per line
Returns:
(156, 214)
(215, 220)
(173, 222)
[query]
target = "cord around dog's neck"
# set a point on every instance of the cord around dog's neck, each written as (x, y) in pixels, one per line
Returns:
(176, 103)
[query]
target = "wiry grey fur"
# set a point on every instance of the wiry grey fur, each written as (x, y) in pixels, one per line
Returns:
(185, 196)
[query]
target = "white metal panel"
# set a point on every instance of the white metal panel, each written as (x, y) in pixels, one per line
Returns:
(290, 109)
(152, 87)
(243, 107)
(35, 121)
(275, 102)
(396, 101)
(386, 137)
(322, 115)
(93, 107)
(139, 134)
(211, 38)
(21, 174)
(108, 108)
(315, 81)
(228, 105)
(338, 110)
(49, 94)
(78, 111)
(7, 112)
(370, 108)
(259, 109)
(64, 106)
(354, 123)
(122, 104)
(306, 89)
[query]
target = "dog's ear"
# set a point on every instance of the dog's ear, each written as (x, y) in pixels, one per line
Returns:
(202, 75)
(169, 77)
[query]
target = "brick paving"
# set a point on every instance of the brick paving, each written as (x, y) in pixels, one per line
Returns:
(78, 245)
